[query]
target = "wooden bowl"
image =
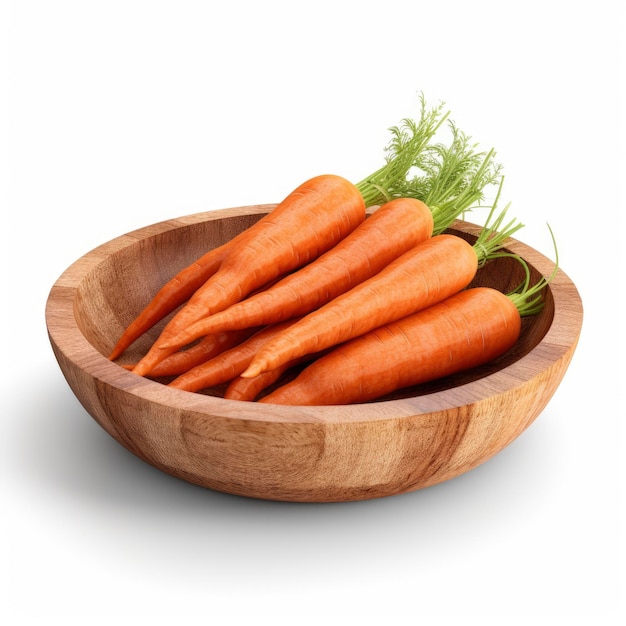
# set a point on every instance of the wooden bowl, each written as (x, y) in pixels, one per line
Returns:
(413, 439)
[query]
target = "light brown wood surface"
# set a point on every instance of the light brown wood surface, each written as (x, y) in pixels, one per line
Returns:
(416, 438)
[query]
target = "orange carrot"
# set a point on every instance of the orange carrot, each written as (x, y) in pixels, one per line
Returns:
(229, 364)
(210, 346)
(390, 231)
(468, 329)
(431, 271)
(171, 295)
(307, 223)
(248, 389)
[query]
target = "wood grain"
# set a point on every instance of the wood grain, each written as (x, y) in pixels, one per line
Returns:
(413, 439)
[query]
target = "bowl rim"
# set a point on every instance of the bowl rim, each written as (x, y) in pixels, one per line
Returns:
(65, 335)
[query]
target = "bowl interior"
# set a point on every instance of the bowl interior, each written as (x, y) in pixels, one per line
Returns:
(116, 290)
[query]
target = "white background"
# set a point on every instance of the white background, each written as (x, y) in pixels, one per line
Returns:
(119, 114)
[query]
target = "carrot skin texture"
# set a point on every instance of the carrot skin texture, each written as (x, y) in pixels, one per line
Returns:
(391, 230)
(308, 222)
(209, 347)
(247, 389)
(229, 364)
(431, 271)
(468, 329)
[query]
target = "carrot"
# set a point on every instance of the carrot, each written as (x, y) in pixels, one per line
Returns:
(210, 346)
(307, 223)
(471, 327)
(229, 364)
(390, 231)
(468, 329)
(248, 389)
(430, 272)
(171, 295)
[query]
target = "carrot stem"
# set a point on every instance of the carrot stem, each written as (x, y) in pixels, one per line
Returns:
(529, 300)
(494, 235)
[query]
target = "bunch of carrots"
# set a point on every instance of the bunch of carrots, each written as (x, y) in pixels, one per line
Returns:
(355, 289)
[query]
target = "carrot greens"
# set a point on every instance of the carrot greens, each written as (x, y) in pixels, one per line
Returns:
(451, 178)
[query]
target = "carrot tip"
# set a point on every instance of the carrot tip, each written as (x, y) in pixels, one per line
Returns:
(172, 344)
(251, 372)
(141, 369)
